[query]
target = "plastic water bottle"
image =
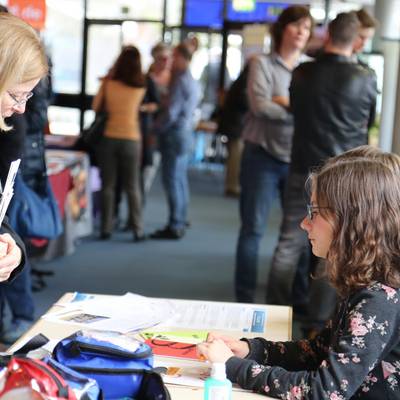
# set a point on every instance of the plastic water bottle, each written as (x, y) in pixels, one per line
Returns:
(217, 386)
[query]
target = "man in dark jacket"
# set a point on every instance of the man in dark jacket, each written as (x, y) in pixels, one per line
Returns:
(331, 99)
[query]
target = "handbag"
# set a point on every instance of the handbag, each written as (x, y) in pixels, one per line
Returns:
(24, 375)
(34, 215)
(122, 366)
(45, 379)
(93, 134)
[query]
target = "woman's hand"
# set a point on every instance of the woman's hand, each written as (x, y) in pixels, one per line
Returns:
(215, 352)
(283, 101)
(239, 348)
(149, 107)
(10, 256)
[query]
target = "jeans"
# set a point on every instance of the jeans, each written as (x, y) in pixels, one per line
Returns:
(18, 294)
(262, 180)
(292, 244)
(174, 167)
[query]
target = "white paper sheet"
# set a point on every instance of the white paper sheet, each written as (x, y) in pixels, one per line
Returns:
(121, 314)
(187, 374)
(8, 190)
(223, 316)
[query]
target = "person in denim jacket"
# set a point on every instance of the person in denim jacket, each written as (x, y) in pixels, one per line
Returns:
(353, 222)
(173, 128)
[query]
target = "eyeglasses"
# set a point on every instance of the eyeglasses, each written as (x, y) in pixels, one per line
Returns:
(22, 101)
(312, 211)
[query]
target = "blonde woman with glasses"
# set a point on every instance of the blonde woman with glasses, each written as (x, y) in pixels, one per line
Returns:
(22, 64)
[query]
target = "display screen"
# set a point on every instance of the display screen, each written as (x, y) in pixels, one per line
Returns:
(204, 13)
(264, 11)
(210, 12)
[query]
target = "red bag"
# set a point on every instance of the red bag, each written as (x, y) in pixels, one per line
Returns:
(38, 376)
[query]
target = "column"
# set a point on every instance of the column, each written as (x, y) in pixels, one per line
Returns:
(387, 41)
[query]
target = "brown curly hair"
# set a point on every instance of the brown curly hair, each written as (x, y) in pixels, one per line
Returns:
(362, 198)
(391, 160)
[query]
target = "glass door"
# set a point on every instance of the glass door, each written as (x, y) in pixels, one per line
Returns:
(105, 39)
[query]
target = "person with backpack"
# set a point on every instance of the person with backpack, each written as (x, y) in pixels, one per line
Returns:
(231, 122)
(268, 138)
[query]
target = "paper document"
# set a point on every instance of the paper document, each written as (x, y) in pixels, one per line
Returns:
(186, 373)
(8, 190)
(223, 316)
(126, 313)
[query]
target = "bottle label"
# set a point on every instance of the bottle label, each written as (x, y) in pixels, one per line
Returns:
(219, 393)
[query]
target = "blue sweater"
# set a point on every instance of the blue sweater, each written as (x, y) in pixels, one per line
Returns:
(177, 112)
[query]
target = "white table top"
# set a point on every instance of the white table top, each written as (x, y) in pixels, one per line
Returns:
(278, 327)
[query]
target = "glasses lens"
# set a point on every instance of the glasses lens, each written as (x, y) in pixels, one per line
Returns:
(309, 212)
(21, 101)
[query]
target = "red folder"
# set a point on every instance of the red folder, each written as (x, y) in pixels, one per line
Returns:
(173, 349)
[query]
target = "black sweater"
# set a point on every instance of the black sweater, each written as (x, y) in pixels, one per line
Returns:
(358, 357)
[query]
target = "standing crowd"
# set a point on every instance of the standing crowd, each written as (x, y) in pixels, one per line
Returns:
(305, 136)
(141, 109)
(302, 112)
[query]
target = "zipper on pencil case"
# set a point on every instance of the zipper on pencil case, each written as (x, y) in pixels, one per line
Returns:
(61, 389)
(102, 350)
(120, 371)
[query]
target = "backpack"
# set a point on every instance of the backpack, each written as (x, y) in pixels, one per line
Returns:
(36, 377)
(234, 110)
(122, 366)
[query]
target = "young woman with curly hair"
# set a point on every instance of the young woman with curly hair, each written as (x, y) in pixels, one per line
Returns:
(353, 222)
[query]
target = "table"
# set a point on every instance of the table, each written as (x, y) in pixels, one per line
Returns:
(69, 176)
(278, 327)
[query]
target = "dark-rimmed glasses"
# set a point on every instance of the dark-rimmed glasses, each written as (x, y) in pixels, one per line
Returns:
(312, 211)
(22, 101)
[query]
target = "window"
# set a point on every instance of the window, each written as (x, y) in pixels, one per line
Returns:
(98, 60)
(143, 35)
(63, 120)
(125, 9)
(64, 39)
(174, 12)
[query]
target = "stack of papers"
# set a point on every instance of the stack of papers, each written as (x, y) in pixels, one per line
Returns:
(8, 191)
(123, 314)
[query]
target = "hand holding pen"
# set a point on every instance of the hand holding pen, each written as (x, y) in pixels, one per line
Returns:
(219, 348)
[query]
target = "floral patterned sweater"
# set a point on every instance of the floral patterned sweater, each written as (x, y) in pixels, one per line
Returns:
(356, 357)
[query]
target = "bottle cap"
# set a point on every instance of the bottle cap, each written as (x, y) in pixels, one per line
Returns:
(218, 371)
